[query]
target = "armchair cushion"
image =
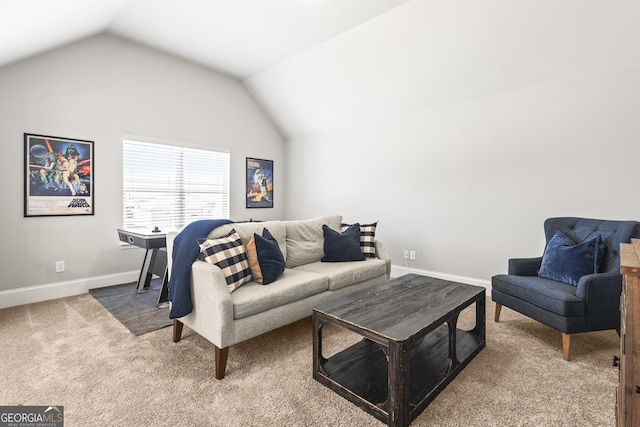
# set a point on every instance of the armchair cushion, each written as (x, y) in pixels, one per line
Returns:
(550, 295)
(567, 261)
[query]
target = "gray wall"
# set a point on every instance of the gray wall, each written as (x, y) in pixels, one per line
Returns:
(469, 185)
(462, 125)
(100, 89)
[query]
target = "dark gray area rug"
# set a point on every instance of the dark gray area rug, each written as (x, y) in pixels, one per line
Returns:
(138, 312)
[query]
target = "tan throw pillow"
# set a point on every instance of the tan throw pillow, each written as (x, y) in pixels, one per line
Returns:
(252, 257)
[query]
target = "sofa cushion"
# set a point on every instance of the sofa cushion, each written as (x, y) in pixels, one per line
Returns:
(342, 247)
(550, 295)
(305, 240)
(343, 274)
(367, 238)
(229, 254)
(567, 261)
(292, 286)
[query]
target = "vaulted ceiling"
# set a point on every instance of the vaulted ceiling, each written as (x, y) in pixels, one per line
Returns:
(318, 65)
(236, 37)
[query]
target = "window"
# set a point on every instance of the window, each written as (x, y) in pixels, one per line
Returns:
(170, 185)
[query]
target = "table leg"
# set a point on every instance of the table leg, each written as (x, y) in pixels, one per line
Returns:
(452, 324)
(163, 300)
(318, 360)
(147, 270)
(481, 327)
(398, 399)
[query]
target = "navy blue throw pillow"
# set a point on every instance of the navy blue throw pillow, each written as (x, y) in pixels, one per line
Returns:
(340, 247)
(269, 256)
(567, 261)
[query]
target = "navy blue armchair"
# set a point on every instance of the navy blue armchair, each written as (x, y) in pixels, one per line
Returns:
(570, 305)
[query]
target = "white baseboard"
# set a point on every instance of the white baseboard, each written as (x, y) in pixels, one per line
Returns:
(399, 270)
(31, 294)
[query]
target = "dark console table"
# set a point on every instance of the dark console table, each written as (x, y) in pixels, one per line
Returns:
(155, 258)
(411, 349)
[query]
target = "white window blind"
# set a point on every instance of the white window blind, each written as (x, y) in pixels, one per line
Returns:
(170, 186)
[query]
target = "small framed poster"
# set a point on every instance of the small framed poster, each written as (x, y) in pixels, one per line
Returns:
(259, 183)
(59, 176)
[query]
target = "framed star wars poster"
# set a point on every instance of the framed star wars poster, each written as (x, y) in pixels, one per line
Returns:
(59, 176)
(259, 183)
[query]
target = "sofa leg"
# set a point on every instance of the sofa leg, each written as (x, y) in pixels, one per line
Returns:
(177, 330)
(221, 361)
(566, 346)
(498, 308)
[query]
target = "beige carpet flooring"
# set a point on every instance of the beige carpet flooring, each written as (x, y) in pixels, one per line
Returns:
(72, 352)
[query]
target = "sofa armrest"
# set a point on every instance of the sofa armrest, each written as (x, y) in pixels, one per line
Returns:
(382, 254)
(524, 266)
(212, 315)
(169, 238)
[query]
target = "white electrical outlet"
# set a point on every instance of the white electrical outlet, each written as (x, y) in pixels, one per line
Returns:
(406, 254)
(412, 255)
(59, 266)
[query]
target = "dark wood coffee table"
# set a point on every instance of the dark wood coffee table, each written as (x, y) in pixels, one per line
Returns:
(411, 348)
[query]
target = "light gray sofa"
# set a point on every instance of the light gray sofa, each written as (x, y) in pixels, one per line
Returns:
(226, 318)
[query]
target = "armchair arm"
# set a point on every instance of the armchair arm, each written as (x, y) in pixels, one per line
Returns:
(600, 285)
(601, 293)
(524, 266)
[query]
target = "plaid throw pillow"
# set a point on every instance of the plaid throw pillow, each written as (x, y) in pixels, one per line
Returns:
(367, 238)
(229, 254)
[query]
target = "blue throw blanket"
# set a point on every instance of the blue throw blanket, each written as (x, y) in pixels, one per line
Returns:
(184, 253)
